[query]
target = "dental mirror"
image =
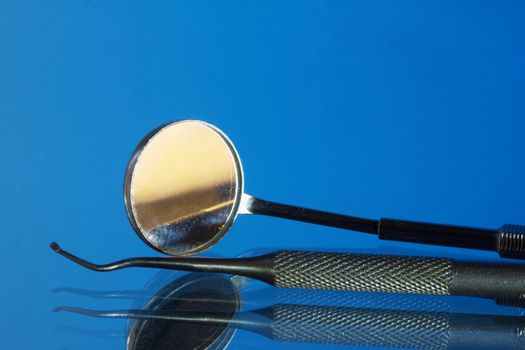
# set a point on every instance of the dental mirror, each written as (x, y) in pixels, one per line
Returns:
(184, 187)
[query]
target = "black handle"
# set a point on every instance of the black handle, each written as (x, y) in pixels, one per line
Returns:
(509, 241)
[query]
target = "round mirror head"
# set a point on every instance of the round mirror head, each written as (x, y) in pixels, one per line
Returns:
(183, 187)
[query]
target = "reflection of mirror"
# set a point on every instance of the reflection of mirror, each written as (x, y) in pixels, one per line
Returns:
(196, 295)
(202, 311)
(183, 186)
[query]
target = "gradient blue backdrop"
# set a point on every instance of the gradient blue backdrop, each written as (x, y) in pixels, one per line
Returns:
(409, 109)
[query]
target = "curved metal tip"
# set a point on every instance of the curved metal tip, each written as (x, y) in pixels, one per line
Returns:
(186, 264)
(86, 264)
(168, 263)
(55, 247)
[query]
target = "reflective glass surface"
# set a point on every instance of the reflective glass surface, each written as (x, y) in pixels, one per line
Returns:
(403, 109)
(211, 311)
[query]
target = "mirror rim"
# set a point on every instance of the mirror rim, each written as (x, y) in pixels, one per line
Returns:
(128, 178)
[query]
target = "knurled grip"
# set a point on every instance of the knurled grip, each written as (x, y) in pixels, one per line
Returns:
(511, 241)
(363, 272)
(361, 327)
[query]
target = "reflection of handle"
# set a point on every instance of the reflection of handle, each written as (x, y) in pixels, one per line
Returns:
(395, 274)
(395, 329)
(360, 327)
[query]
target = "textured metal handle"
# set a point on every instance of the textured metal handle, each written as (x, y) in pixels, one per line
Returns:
(362, 272)
(361, 327)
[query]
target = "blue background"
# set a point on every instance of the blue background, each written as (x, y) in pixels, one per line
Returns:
(408, 109)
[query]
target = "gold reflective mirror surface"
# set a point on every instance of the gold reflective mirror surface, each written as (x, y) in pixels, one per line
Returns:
(183, 187)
